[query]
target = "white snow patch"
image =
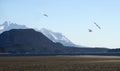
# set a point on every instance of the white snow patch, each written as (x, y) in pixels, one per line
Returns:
(53, 36)
(65, 39)
(1, 27)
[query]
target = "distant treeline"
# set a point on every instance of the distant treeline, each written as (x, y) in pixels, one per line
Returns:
(71, 54)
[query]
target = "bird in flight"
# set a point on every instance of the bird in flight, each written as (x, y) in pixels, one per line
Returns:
(45, 15)
(89, 30)
(97, 25)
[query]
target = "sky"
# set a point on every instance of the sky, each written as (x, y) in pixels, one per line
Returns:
(72, 18)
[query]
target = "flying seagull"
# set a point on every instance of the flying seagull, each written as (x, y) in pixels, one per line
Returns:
(45, 15)
(89, 30)
(97, 25)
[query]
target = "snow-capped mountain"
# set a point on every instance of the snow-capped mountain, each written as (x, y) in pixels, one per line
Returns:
(54, 36)
(57, 37)
(8, 26)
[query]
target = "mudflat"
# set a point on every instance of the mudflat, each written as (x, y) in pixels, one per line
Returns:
(60, 63)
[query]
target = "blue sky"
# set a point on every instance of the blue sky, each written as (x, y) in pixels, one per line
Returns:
(72, 18)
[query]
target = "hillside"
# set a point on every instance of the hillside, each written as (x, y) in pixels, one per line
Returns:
(29, 41)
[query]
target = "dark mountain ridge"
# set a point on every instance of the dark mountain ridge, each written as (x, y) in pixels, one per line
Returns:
(26, 41)
(29, 41)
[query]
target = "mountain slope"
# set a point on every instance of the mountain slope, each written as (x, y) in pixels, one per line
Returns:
(57, 37)
(26, 41)
(54, 36)
(29, 41)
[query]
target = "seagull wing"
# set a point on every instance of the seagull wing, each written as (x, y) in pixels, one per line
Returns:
(97, 25)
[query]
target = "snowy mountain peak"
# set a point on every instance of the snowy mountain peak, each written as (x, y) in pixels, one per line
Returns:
(6, 23)
(57, 37)
(49, 33)
(9, 25)
(54, 36)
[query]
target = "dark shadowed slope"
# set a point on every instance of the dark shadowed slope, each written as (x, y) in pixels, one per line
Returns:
(26, 41)
(29, 41)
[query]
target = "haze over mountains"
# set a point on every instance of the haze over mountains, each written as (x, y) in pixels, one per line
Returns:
(54, 36)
